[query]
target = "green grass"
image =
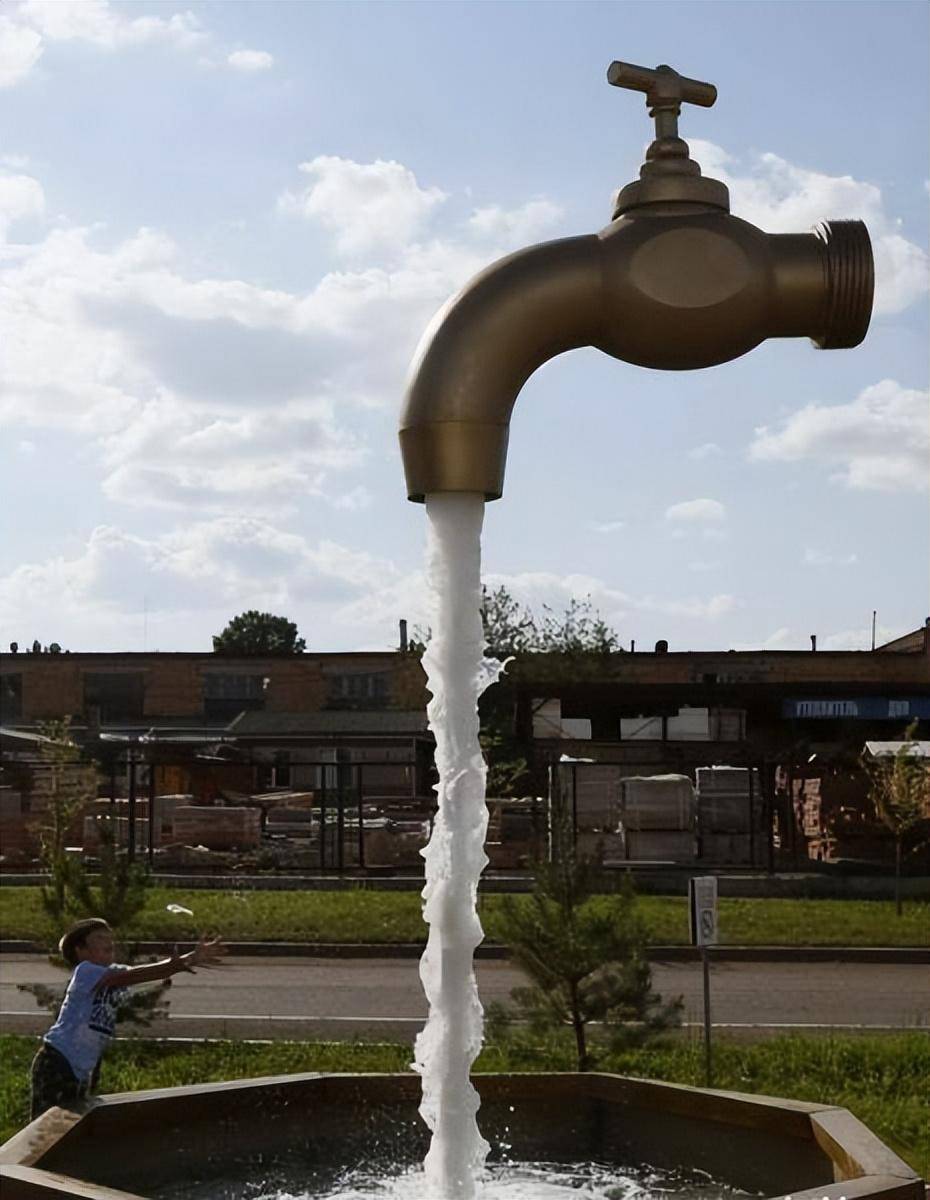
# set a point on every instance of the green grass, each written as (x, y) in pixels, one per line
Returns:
(882, 1079)
(375, 916)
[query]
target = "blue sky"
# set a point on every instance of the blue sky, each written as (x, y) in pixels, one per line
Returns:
(227, 225)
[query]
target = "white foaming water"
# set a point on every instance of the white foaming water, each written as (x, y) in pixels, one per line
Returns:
(457, 674)
(528, 1181)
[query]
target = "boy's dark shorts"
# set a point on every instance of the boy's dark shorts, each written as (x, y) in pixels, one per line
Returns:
(54, 1083)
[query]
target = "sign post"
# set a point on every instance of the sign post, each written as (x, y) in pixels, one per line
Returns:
(702, 903)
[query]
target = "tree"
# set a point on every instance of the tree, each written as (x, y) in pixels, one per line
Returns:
(579, 630)
(900, 791)
(509, 627)
(255, 632)
(512, 629)
(65, 786)
(585, 955)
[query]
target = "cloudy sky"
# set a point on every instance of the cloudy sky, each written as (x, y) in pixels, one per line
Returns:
(224, 227)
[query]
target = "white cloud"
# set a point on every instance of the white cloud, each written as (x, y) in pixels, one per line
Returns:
(705, 450)
(542, 587)
(860, 639)
(95, 22)
(20, 50)
(367, 206)
(607, 526)
(20, 196)
(191, 580)
(819, 558)
(28, 28)
(696, 511)
(176, 457)
(250, 60)
(781, 197)
(782, 639)
(878, 442)
(206, 392)
(517, 226)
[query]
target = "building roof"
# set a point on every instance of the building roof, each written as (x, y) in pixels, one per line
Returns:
(330, 723)
(909, 643)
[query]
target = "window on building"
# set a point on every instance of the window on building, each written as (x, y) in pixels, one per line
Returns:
(226, 695)
(117, 695)
(370, 689)
(11, 697)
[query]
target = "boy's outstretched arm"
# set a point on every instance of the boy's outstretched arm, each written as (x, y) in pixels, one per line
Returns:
(207, 953)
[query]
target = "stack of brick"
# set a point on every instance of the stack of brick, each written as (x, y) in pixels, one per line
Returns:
(217, 828)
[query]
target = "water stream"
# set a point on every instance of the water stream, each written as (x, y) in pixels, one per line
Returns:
(457, 673)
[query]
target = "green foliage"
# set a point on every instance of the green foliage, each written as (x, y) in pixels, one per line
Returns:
(255, 632)
(508, 769)
(511, 629)
(900, 792)
(64, 787)
(363, 915)
(120, 893)
(586, 960)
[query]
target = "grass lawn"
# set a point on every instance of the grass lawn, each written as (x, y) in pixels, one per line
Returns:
(372, 916)
(882, 1079)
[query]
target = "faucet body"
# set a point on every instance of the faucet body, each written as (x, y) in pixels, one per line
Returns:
(674, 282)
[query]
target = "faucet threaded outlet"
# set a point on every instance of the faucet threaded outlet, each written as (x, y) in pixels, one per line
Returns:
(850, 283)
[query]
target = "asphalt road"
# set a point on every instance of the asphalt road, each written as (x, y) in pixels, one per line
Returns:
(382, 998)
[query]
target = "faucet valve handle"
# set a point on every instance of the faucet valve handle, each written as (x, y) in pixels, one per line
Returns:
(664, 87)
(668, 157)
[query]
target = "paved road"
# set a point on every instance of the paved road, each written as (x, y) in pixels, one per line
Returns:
(382, 998)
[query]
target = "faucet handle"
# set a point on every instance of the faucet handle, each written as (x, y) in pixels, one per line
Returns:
(669, 173)
(664, 87)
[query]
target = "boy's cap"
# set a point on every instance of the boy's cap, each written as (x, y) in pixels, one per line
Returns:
(77, 935)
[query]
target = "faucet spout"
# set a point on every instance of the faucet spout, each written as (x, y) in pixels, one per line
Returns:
(477, 353)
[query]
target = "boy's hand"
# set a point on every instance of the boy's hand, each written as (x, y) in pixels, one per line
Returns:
(207, 953)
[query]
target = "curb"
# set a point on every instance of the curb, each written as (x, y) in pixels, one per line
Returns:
(892, 955)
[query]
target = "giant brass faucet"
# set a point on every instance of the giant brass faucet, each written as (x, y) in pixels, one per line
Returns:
(674, 282)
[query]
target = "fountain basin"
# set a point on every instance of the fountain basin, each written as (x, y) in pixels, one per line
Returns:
(156, 1143)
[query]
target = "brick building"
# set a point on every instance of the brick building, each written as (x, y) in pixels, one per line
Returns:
(215, 724)
(137, 691)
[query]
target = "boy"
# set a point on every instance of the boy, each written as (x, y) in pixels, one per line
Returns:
(68, 1063)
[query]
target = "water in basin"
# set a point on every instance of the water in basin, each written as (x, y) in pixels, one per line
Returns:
(497, 1181)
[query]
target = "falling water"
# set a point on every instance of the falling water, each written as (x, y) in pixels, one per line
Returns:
(457, 674)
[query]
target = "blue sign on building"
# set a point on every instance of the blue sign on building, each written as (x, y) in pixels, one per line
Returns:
(863, 708)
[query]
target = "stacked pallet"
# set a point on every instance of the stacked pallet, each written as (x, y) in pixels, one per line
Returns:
(657, 818)
(729, 807)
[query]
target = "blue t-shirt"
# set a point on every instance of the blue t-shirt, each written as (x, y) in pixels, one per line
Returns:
(87, 1019)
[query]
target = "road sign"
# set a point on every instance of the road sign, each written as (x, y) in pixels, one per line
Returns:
(702, 897)
(702, 902)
